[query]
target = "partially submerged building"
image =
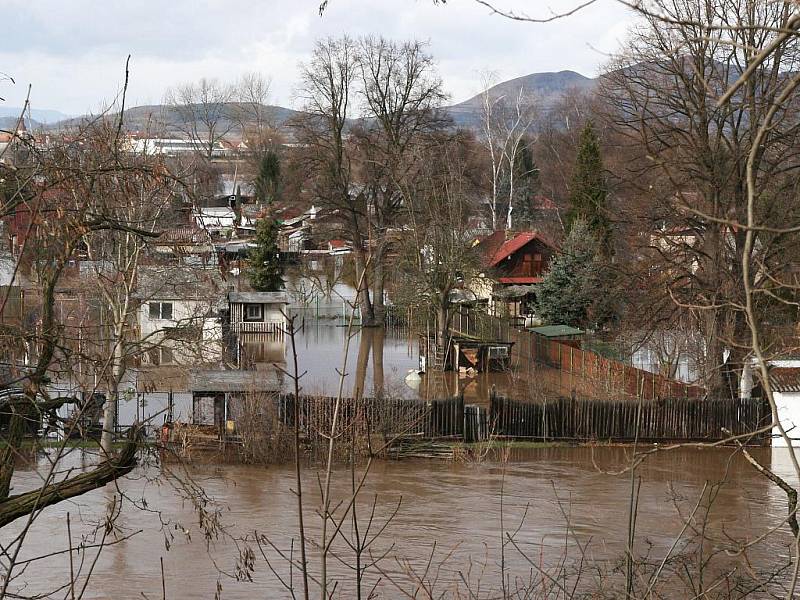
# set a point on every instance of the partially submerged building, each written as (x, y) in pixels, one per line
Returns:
(218, 396)
(180, 317)
(257, 312)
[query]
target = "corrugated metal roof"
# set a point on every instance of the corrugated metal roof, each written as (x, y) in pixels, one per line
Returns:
(234, 381)
(785, 379)
(258, 297)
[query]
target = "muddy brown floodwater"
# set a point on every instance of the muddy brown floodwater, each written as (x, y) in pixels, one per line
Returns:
(378, 359)
(454, 506)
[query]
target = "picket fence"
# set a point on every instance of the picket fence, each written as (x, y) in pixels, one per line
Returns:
(562, 419)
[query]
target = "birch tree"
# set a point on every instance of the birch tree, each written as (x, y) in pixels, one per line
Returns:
(139, 201)
(506, 122)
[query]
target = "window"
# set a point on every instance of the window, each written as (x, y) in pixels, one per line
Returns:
(160, 356)
(161, 310)
(498, 351)
(253, 312)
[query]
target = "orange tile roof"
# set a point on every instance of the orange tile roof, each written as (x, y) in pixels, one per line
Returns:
(496, 248)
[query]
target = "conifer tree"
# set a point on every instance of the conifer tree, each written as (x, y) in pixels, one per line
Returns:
(569, 288)
(267, 181)
(588, 191)
(528, 184)
(265, 271)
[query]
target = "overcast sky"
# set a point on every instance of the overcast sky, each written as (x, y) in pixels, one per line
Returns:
(73, 53)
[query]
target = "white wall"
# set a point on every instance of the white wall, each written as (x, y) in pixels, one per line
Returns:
(789, 414)
(184, 313)
(272, 312)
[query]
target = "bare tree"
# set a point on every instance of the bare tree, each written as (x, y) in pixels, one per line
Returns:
(327, 89)
(505, 123)
(58, 220)
(255, 118)
(203, 112)
(662, 96)
(517, 125)
(401, 93)
(139, 201)
(437, 260)
(494, 145)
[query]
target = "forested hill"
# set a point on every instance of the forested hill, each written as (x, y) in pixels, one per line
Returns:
(545, 89)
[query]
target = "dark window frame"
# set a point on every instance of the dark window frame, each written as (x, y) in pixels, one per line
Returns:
(253, 319)
(161, 311)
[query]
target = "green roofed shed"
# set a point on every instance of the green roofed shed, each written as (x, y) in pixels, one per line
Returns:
(557, 331)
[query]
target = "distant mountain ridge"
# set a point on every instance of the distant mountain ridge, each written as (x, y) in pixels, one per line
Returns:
(39, 115)
(164, 120)
(545, 89)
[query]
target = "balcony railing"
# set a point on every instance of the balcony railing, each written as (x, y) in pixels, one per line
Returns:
(276, 327)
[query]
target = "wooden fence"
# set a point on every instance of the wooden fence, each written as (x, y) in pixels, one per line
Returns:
(428, 420)
(678, 419)
(607, 375)
(562, 419)
(589, 371)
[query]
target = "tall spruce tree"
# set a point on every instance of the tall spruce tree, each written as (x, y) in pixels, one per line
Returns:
(265, 270)
(588, 191)
(569, 288)
(268, 180)
(527, 186)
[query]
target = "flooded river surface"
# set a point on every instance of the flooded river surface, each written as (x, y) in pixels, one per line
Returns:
(552, 497)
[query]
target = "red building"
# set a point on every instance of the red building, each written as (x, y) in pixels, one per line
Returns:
(516, 258)
(514, 263)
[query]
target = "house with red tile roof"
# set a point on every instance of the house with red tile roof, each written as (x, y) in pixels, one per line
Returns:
(513, 263)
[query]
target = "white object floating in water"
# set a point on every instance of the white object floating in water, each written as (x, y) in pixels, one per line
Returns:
(413, 379)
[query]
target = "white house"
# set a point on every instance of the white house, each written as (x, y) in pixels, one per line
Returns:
(784, 379)
(179, 315)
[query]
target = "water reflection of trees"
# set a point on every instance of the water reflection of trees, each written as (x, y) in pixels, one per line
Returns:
(371, 344)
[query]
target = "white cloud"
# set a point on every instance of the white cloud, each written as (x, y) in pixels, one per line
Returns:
(73, 53)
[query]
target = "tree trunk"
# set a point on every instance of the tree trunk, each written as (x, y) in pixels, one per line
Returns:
(377, 286)
(364, 301)
(714, 355)
(739, 352)
(14, 507)
(711, 315)
(110, 409)
(377, 361)
(441, 335)
(13, 443)
(364, 347)
(510, 191)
